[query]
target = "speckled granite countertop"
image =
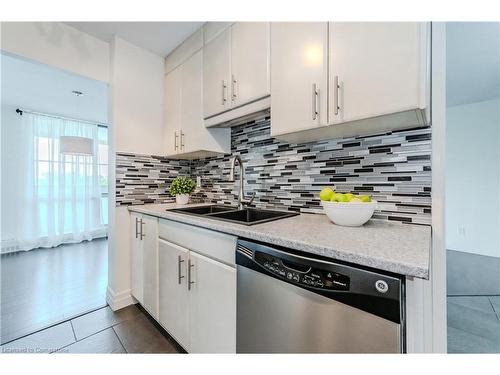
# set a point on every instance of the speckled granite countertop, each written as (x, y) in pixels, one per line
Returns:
(398, 248)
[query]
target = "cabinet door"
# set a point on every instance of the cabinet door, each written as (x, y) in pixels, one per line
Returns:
(173, 296)
(299, 76)
(217, 75)
(249, 62)
(149, 234)
(137, 258)
(377, 66)
(173, 92)
(192, 133)
(212, 306)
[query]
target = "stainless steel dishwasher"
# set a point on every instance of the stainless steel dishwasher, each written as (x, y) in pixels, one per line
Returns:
(290, 303)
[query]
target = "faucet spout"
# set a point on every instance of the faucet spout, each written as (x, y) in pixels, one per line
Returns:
(233, 165)
(242, 201)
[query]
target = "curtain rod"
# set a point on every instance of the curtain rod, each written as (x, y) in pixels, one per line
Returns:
(21, 111)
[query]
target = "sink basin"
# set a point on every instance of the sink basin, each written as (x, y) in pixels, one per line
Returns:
(247, 216)
(204, 210)
(250, 216)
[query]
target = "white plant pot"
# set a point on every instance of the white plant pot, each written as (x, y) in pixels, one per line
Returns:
(182, 199)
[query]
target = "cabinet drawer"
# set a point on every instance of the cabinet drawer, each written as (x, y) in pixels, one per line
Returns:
(212, 244)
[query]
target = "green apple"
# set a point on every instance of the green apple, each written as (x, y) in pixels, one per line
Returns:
(365, 198)
(326, 194)
(355, 200)
(349, 196)
(339, 197)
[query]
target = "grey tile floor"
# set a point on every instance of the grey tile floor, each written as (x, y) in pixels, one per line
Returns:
(43, 287)
(473, 327)
(128, 330)
(473, 324)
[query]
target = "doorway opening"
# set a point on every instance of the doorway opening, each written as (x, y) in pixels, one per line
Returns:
(473, 186)
(54, 227)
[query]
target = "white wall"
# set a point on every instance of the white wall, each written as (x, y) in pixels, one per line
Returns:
(137, 98)
(137, 127)
(59, 45)
(473, 178)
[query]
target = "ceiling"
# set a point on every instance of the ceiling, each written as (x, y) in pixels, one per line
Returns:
(38, 87)
(472, 62)
(160, 38)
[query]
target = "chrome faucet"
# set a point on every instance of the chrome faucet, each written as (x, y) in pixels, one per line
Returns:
(242, 201)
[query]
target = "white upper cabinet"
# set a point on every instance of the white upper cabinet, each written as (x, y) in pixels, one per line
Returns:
(217, 74)
(184, 51)
(192, 131)
(236, 77)
(299, 76)
(343, 79)
(249, 62)
(173, 93)
(186, 136)
(377, 66)
(212, 29)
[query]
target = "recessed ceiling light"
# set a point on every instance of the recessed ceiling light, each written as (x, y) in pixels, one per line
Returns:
(77, 93)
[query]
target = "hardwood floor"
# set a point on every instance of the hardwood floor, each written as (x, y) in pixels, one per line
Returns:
(42, 287)
(129, 330)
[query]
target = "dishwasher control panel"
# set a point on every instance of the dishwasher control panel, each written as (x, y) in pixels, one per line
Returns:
(301, 273)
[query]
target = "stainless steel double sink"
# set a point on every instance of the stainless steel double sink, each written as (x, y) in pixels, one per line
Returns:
(247, 216)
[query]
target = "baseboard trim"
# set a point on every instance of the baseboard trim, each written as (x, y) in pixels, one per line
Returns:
(119, 300)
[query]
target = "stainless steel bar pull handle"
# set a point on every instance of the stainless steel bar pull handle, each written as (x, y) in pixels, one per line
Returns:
(176, 136)
(182, 140)
(234, 83)
(315, 109)
(142, 234)
(224, 87)
(336, 88)
(136, 229)
(190, 265)
(179, 263)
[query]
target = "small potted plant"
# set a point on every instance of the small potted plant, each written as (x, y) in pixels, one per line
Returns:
(180, 188)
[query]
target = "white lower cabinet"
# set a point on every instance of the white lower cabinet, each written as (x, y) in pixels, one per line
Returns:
(185, 277)
(145, 261)
(212, 305)
(137, 259)
(197, 300)
(193, 296)
(173, 296)
(149, 232)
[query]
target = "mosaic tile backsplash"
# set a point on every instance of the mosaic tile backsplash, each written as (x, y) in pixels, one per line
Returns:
(393, 167)
(144, 179)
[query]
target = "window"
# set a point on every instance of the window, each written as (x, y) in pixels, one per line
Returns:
(58, 198)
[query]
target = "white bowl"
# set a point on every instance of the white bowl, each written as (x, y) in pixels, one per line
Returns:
(349, 214)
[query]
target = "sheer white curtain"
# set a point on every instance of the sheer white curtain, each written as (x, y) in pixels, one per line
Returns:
(55, 198)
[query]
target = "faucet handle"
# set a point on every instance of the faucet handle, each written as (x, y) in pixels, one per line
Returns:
(248, 202)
